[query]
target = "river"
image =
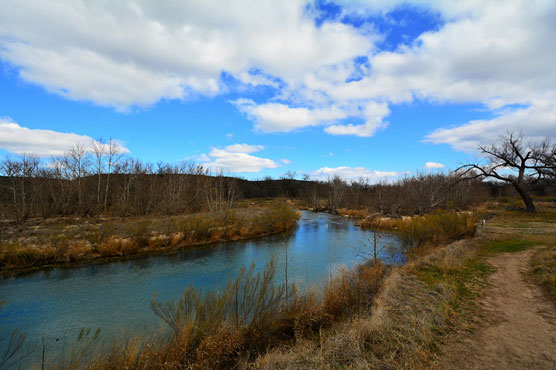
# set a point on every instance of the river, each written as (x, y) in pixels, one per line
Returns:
(56, 304)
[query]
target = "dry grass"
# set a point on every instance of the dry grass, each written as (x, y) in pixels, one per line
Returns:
(69, 241)
(422, 303)
(362, 321)
(354, 213)
(543, 270)
(233, 327)
(436, 228)
(418, 304)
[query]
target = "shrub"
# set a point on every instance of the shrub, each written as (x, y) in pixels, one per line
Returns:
(435, 228)
(352, 291)
(140, 233)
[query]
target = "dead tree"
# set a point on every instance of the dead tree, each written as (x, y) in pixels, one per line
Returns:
(525, 164)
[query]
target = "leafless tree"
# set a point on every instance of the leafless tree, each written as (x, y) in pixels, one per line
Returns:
(99, 153)
(336, 190)
(525, 164)
(113, 155)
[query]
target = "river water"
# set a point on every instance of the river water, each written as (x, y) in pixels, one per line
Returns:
(53, 306)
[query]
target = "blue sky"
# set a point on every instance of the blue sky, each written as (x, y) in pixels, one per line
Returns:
(371, 89)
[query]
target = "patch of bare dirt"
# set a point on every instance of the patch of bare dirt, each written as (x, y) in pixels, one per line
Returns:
(518, 330)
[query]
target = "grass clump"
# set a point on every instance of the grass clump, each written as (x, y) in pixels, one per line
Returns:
(437, 228)
(543, 270)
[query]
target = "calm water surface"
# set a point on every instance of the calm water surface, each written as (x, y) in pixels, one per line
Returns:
(115, 297)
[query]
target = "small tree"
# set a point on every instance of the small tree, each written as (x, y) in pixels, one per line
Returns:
(512, 162)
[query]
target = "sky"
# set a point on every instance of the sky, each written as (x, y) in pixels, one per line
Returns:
(373, 89)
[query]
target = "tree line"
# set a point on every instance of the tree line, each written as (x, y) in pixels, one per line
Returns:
(100, 180)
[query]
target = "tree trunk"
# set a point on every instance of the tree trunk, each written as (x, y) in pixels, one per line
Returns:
(525, 197)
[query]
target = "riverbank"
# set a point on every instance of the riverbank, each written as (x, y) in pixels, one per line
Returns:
(39, 244)
(429, 312)
(370, 317)
(225, 329)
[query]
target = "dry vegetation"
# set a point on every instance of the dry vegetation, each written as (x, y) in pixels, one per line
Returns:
(360, 319)
(62, 241)
(543, 269)
(371, 317)
(424, 302)
(435, 228)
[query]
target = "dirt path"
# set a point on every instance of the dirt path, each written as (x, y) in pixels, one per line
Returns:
(519, 327)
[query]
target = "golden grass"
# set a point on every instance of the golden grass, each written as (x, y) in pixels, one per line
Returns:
(436, 228)
(62, 244)
(233, 327)
(354, 213)
(422, 303)
(364, 320)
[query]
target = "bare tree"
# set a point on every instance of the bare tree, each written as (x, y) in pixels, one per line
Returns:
(113, 156)
(336, 189)
(99, 153)
(545, 153)
(525, 164)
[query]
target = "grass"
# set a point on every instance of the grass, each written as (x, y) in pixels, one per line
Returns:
(235, 326)
(426, 302)
(417, 306)
(436, 228)
(543, 270)
(70, 241)
(370, 317)
(506, 246)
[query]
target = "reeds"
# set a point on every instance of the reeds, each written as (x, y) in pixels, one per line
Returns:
(61, 244)
(232, 327)
(437, 228)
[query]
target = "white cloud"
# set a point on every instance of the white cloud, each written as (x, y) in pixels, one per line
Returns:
(236, 158)
(490, 52)
(138, 52)
(273, 117)
(537, 122)
(244, 148)
(43, 143)
(352, 173)
(434, 165)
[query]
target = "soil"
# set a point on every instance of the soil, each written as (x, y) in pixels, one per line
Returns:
(518, 328)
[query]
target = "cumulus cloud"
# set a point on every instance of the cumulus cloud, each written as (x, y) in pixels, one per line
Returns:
(537, 122)
(43, 143)
(373, 113)
(236, 158)
(494, 53)
(434, 165)
(272, 117)
(138, 52)
(352, 173)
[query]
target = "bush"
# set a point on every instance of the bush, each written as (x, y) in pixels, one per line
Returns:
(352, 291)
(435, 228)
(140, 233)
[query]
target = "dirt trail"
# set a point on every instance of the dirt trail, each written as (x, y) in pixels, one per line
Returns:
(519, 327)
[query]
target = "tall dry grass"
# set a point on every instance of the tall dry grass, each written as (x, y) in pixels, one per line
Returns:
(436, 228)
(233, 327)
(63, 244)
